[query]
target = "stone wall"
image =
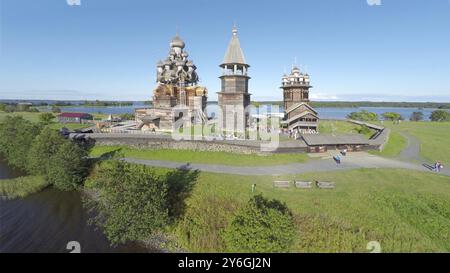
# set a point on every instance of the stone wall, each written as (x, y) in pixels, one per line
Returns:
(169, 143)
(154, 141)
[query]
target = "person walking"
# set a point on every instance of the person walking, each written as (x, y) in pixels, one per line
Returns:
(337, 158)
(437, 166)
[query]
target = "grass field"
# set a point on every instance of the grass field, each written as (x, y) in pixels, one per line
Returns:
(34, 117)
(22, 186)
(405, 211)
(222, 158)
(434, 138)
(31, 116)
(393, 147)
(341, 127)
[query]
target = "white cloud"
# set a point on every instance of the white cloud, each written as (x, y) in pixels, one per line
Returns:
(322, 96)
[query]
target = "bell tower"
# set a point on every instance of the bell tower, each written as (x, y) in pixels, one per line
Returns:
(234, 97)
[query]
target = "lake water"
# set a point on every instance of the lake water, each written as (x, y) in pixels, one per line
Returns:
(212, 108)
(47, 221)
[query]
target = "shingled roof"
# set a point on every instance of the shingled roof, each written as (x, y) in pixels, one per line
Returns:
(234, 54)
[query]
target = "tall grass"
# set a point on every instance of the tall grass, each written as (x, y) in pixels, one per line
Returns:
(405, 211)
(22, 186)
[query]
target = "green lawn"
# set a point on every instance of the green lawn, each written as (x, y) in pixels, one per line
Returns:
(406, 211)
(31, 116)
(34, 117)
(341, 127)
(70, 126)
(222, 158)
(393, 147)
(434, 138)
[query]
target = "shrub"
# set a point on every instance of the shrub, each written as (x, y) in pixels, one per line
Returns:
(46, 118)
(16, 138)
(440, 115)
(135, 203)
(392, 116)
(61, 161)
(131, 201)
(363, 116)
(68, 167)
(261, 226)
(44, 147)
(416, 116)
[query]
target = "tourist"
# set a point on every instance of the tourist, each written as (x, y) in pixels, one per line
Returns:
(437, 166)
(337, 158)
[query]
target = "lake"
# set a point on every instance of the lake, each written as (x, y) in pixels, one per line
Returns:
(47, 221)
(212, 108)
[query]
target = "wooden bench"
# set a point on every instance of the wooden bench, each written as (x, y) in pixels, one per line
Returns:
(325, 185)
(281, 184)
(303, 185)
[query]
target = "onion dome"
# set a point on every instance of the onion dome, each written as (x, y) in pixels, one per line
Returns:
(160, 64)
(184, 54)
(295, 70)
(177, 42)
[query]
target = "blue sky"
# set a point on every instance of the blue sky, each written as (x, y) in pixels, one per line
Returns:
(107, 49)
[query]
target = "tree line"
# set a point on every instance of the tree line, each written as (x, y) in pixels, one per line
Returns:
(38, 150)
(364, 115)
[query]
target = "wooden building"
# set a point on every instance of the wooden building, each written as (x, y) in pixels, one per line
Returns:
(299, 115)
(177, 94)
(324, 142)
(234, 98)
(75, 118)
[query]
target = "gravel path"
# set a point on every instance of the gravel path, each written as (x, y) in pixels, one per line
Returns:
(349, 162)
(412, 150)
